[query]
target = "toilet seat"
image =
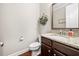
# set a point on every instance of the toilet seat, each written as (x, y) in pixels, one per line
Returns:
(35, 44)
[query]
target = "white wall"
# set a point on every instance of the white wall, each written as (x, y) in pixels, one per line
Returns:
(46, 8)
(18, 20)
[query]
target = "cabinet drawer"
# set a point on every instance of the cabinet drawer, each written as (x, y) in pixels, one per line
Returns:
(46, 41)
(57, 53)
(45, 50)
(65, 49)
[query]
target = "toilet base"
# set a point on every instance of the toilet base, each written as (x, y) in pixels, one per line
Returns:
(36, 53)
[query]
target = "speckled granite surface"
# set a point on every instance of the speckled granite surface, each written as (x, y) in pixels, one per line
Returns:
(71, 41)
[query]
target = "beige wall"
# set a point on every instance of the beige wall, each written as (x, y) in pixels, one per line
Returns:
(18, 20)
(45, 8)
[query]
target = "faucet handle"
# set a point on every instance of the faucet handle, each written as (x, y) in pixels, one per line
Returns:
(60, 31)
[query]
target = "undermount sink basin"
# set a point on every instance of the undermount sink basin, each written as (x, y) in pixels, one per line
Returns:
(51, 34)
(56, 35)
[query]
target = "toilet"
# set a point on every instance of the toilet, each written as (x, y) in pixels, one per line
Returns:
(35, 47)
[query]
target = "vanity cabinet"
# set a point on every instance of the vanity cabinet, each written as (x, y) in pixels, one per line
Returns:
(46, 50)
(53, 48)
(57, 53)
(65, 49)
(46, 47)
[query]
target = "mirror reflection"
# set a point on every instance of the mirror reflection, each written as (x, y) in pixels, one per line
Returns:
(65, 15)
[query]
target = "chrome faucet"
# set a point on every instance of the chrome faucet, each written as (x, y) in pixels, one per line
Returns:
(61, 32)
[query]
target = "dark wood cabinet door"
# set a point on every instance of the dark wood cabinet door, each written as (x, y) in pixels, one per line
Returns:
(46, 41)
(57, 53)
(45, 50)
(54, 48)
(69, 51)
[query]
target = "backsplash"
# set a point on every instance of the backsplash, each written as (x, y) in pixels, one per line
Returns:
(76, 31)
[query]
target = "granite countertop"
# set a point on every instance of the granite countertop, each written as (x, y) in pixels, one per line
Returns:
(70, 41)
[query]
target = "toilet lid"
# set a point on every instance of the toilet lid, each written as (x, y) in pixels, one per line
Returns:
(35, 44)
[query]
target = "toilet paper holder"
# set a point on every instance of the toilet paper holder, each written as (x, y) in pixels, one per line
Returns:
(1, 44)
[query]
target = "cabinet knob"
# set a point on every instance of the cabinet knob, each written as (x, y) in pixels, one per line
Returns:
(54, 54)
(48, 50)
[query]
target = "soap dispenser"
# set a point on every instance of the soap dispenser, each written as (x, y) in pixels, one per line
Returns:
(70, 33)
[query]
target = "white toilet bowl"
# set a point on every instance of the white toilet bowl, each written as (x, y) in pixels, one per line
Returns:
(35, 48)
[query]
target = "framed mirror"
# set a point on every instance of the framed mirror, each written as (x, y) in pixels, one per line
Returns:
(65, 15)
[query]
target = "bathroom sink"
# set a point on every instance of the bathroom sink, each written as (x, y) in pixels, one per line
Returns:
(59, 35)
(60, 38)
(51, 34)
(55, 35)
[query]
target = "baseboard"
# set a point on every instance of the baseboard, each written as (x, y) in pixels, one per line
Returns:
(19, 52)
